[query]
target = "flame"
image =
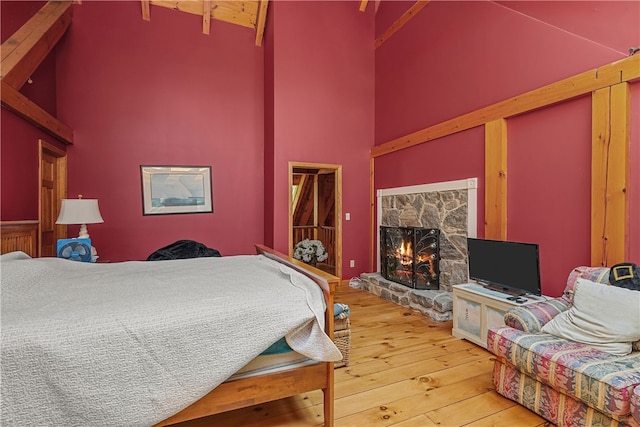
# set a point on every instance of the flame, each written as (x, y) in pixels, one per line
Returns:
(405, 253)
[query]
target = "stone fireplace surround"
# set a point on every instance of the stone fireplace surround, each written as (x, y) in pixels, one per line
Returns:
(437, 304)
(449, 206)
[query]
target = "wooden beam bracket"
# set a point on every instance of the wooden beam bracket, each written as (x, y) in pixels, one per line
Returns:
(25, 50)
(400, 22)
(146, 13)
(16, 102)
(262, 20)
(206, 17)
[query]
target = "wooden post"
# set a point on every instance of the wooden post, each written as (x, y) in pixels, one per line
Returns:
(609, 174)
(495, 196)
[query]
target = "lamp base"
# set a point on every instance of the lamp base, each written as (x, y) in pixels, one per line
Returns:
(84, 234)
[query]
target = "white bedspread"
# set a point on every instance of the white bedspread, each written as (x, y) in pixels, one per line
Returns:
(129, 344)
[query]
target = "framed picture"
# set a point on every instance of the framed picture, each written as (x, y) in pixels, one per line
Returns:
(176, 189)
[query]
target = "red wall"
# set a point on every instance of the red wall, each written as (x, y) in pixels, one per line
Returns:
(162, 93)
(426, 73)
(323, 112)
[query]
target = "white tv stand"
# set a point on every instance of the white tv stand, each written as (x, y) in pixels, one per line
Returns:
(476, 309)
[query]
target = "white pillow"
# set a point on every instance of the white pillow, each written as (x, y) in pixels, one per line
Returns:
(14, 256)
(604, 317)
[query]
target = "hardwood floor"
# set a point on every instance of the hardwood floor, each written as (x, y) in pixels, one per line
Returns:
(405, 371)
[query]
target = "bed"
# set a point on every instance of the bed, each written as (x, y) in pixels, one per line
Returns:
(163, 364)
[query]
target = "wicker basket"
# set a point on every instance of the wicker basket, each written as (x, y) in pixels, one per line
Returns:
(342, 340)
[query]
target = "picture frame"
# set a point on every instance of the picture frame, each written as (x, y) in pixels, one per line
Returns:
(176, 189)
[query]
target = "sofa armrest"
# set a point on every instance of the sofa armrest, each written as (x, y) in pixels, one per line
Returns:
(635, 404)
(532, 317)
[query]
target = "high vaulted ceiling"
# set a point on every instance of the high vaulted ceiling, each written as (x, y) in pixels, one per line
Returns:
(23, 52)
(250, 14)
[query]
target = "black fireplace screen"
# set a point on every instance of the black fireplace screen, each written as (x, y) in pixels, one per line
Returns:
(410, 256)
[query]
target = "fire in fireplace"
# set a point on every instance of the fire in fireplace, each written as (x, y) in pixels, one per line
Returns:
(410, 256)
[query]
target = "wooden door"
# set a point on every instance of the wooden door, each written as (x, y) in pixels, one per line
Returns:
(53, 188)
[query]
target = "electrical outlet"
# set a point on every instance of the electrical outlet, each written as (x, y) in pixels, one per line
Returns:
(352, 263)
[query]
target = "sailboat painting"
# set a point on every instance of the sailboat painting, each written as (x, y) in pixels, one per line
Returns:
(176, 189)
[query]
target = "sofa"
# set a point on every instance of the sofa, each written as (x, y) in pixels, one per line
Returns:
(569, 382)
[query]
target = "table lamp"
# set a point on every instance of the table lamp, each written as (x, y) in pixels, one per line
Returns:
(81, 211)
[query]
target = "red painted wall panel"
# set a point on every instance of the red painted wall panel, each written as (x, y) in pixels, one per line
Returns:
(588, 19)
(454, 157)
(18, 168)
(426, 74)
(549, 190)
(162, 93)
(323, 108)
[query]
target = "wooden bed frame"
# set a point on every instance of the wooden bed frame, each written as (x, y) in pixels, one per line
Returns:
(265, 388)
(247, 391)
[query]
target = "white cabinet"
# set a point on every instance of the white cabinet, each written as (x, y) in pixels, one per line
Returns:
(477, 309)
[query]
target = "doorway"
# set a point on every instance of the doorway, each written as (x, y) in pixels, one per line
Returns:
(315, 209)
(53, 188)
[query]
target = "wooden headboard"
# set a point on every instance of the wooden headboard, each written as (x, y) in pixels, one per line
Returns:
(19, 236)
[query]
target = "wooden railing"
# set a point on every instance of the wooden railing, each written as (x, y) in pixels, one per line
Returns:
(327, 235)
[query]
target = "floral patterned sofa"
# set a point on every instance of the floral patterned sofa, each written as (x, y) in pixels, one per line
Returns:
(566, 382)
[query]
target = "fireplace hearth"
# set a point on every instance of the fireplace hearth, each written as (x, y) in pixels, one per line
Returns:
(410, 256)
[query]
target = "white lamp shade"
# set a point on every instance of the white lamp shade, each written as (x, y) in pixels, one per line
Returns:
(79, 211)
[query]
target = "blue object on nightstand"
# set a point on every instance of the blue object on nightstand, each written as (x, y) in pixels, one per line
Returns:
(74, 249)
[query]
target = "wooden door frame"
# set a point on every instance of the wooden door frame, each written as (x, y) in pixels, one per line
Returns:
(337, 171)
(60, 185)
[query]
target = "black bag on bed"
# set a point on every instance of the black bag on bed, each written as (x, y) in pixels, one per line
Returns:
(183, 249)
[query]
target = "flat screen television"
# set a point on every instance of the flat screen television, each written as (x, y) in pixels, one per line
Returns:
(511, 267)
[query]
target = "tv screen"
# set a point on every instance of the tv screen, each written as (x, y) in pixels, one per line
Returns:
(512, 266)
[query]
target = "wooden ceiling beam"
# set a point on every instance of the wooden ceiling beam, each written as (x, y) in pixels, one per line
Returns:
(250, 13)
(363, 5)
(25, 50)
(14, 101)
(262, 20)
(400, 22)
(235, 12)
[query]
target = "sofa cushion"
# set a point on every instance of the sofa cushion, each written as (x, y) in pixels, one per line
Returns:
(595, 274)
(532, 317)
(605, 317)
(602, 380)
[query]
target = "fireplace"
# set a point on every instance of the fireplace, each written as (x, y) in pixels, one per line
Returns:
(410, 256)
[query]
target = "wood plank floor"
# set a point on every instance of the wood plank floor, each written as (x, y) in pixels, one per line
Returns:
(405, 371)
